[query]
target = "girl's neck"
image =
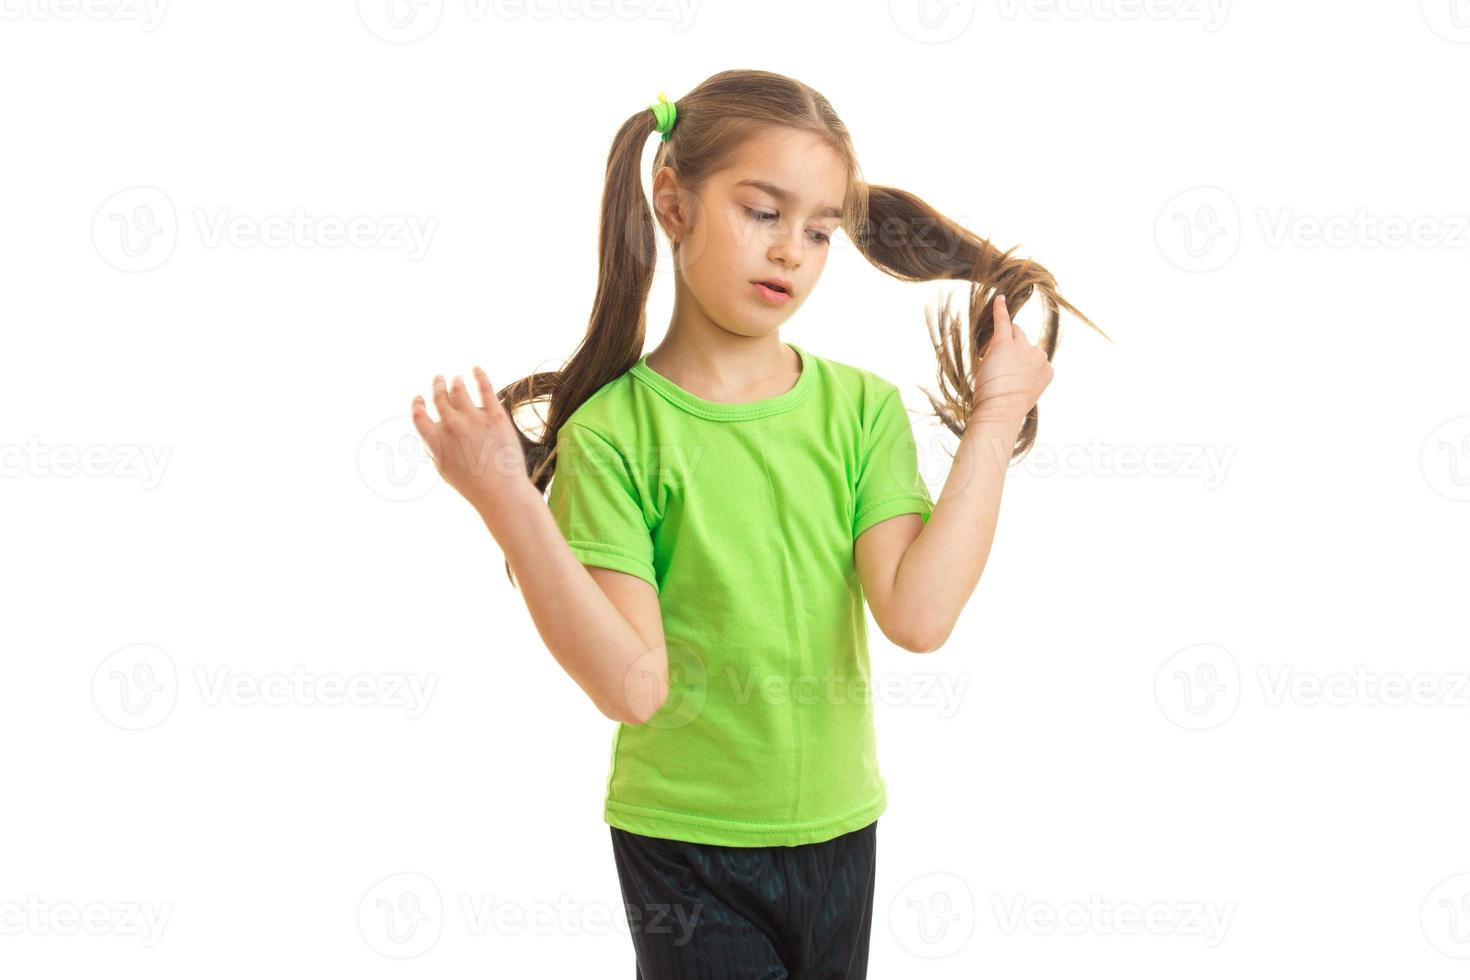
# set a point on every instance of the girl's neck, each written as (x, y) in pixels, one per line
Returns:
(719, 366)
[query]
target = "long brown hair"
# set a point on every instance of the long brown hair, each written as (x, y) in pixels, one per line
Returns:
(895, 230)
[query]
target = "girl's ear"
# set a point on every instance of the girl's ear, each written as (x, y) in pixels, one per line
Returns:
(670, 205)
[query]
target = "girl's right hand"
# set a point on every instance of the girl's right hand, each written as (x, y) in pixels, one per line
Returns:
(1012, 375)
(477, 450)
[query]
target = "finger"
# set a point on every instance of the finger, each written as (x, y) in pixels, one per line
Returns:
(487, 393)
(459, 395)
(1003, 324)
(425, 425)
(441, 397)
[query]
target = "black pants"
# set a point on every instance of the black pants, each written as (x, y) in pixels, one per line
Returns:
(709, 912)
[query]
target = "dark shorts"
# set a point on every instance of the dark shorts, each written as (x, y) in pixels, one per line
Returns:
(709, 912)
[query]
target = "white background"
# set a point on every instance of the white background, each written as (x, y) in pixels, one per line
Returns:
(1173, 692)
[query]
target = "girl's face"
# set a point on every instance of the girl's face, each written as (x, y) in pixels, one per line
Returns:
(769, 216)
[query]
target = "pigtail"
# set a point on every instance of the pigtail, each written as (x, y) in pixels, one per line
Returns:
(626, 252)
(908, 239)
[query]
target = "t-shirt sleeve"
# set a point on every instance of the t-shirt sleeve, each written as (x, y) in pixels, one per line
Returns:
(595, 503)
(888, 482)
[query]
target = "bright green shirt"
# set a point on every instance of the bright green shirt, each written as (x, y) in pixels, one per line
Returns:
(744, 518)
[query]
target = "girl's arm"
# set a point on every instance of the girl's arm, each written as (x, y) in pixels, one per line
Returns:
(918, 576)
(604, 627)
(613, 649)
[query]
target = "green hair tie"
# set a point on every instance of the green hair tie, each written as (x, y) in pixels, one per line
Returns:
(665, 113)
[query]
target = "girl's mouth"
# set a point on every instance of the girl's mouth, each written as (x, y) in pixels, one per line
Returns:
(771, 294)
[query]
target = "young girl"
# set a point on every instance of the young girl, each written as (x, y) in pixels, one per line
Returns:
(723, 505)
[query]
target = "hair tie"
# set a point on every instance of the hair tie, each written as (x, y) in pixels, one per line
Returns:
(665, 113)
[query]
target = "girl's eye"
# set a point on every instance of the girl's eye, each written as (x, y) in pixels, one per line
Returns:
(822, 237)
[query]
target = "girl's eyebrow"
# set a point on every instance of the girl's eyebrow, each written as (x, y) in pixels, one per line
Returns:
(783, 196)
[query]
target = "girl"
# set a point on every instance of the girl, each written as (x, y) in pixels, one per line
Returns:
(723, 505)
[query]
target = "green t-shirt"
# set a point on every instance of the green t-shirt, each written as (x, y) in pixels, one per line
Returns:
(744, 518)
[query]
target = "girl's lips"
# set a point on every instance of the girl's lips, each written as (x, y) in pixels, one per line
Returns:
(771, 295)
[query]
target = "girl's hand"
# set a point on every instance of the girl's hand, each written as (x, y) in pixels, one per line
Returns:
(477, 450)
(1012, 375)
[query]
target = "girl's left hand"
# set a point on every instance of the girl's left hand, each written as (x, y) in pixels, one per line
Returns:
(1012, 374)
